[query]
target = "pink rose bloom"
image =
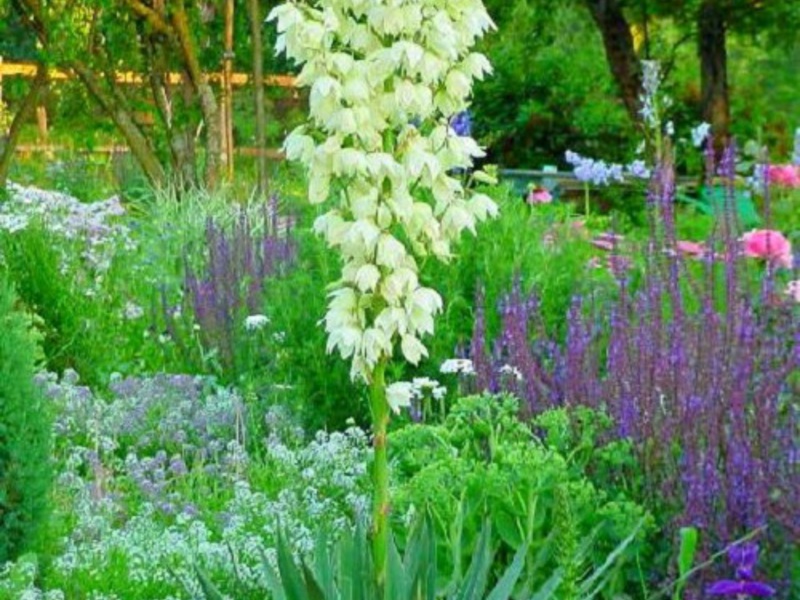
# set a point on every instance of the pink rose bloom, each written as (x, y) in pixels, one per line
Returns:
(784, 175)
(692, 249)
(793, 290)
(539, 196)
(768, 245)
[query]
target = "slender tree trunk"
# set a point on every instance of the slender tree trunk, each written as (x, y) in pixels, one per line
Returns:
(138, 143)
(620, 51)
(208, 103)
(258, 95)
(711, 44)
(25, 112)
(227, 92)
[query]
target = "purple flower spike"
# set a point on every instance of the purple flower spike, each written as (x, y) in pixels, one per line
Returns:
(727, 587)
(744, 557)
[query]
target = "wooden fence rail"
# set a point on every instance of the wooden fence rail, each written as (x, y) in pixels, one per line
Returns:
(28, 70)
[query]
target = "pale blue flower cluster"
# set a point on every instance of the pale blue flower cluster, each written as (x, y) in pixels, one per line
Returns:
(796, 153)
(599, 172)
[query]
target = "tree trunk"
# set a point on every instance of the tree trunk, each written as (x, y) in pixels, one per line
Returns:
(227, 89)
(25, 112)
(208, 103)
(258, 96)
(713, 52)
(620, 51)
(138, 143)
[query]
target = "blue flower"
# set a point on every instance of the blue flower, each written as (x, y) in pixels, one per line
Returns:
(461, 123)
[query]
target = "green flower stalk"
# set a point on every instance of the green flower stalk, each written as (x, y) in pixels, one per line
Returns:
(380, 151)
(379, 409)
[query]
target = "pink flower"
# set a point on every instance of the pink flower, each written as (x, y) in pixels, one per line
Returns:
(607, 241)
(692, 249)
(784, 175)
(539, 196)
(768, 245)
(793, 290)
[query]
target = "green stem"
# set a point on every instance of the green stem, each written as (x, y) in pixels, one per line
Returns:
(380, 475)
(586, 198)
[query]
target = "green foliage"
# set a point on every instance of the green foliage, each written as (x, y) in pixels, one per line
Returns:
(482, 462)
(686, 554)
(25, 474)
(550, 90)
(713, 202)
(295, 304)
(539, 244)
(343, 571)
(78, 316)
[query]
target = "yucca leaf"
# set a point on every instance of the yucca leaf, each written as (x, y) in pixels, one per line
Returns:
(313, 589)
(505, 587)
(549, 587)
(291, 577)
(396, 583)
(474, 583)
(323, 566)
(274, 584)
(209, 590)
(586, 591)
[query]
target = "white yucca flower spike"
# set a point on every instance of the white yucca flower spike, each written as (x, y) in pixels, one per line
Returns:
(385, 79)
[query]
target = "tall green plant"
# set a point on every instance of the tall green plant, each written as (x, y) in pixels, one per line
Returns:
(25, 474)
(385, 80)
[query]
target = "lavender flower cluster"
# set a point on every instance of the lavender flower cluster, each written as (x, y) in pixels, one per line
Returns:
(230, 287)
(697, 370)
(158, 477)
(95, 227)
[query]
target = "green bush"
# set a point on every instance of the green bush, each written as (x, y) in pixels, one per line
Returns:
(483, 462)
(295, 305)
(25, 474)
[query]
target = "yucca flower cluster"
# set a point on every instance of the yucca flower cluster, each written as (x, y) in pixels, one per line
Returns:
(386, 78)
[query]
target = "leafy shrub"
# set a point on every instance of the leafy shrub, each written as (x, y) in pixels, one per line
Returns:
(483, 462)
(320, 386)
(25, 475)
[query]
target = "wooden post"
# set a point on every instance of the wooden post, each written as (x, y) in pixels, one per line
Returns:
(258, 96)
(3, 129)
(227, 91)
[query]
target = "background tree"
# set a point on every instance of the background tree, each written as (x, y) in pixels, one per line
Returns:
(708, 21)
(96, 40)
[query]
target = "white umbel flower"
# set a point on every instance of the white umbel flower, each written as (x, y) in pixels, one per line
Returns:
(256, 322)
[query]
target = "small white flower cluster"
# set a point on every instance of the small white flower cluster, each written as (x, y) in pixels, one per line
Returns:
(180, 439)
(700, 134)
(652, 102)
(461, 366)
(402, 393)
(385, 78)
(793, 290)
(510, 370)
(796, 151)
(95, 226)
(256, 322)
